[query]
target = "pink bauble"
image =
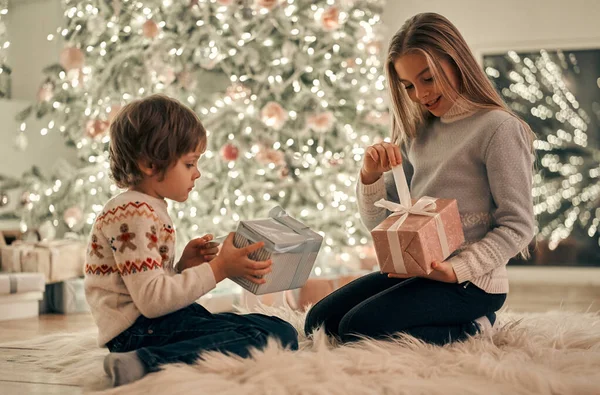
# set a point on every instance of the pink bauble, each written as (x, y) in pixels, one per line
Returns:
(95, 128)
(71, 58)
(46, 92)
(230, 152)
(150, 29)
(330, 20)
(72, 216)
(268, 4)
(273, 115)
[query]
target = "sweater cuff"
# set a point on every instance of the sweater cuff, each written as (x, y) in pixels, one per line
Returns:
(461, 269)
(371, 189)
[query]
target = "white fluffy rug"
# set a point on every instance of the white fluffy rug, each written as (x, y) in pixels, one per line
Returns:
(550, 353)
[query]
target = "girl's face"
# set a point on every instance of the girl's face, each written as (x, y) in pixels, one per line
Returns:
(414, 74)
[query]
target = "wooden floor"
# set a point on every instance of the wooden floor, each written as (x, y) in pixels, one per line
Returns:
(22, 380)
(18, 379)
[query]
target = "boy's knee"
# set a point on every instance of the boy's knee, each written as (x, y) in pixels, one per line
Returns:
(288, 336)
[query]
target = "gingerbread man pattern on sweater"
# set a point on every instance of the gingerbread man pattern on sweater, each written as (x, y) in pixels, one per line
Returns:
(129, 266)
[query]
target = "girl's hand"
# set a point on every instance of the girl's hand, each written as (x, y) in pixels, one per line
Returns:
(441, 272)
(378, 159)
(234, 262)
(381, 157)
(197, 252)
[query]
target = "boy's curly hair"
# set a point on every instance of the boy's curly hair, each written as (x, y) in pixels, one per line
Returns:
(157, 130)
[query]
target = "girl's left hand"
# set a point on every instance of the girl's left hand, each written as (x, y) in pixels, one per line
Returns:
(441, 272)
(197, 252)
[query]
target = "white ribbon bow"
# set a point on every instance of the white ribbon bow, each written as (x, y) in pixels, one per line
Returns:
(424, 206)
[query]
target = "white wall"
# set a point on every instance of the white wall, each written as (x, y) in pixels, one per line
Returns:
(492, 26)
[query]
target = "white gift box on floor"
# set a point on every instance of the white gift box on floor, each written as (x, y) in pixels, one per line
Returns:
(58, 260)
(20, 294)
(65, 297)
(292, 246)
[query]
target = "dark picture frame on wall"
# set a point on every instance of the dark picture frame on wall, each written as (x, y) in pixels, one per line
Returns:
(557, 91)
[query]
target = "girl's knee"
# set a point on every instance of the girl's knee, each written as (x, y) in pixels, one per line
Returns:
(352, 327)
(311, 322)
(347, 328)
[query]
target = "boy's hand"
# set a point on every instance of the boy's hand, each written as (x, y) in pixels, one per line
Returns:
(234, 262)
(441, 272)
(197, 252)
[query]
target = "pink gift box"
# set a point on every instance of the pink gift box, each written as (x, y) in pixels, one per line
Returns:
(418, 239)
(418, 232)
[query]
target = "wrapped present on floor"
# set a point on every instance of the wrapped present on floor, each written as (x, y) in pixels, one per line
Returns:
(291, 245)
(20, 294)
(417, 233)
(58, 260)
(12, 256)
(65, 297)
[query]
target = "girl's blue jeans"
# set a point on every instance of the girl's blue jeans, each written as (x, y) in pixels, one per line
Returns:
(184, 335)
(377, 306)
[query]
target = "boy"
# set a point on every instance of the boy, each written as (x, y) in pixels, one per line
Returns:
(143, 304)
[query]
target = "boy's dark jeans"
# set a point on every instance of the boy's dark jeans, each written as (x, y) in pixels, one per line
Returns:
(184, 334)
(377, 306)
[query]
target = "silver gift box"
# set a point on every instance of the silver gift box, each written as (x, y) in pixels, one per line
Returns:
(292, 246)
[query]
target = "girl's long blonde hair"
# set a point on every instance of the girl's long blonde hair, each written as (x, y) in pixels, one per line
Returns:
(435, 37)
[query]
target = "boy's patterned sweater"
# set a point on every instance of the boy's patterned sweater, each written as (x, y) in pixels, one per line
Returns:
(129, 267)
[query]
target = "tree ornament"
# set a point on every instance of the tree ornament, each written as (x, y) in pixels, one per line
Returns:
(321, 122)
(72, 216)
(268, 4)
(46, 92)
(95, 128)
(230, 152)
(71, 58)
(330, 20)
(150, 29)
(273, 115)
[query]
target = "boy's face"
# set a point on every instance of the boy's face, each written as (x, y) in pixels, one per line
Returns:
(178, 180)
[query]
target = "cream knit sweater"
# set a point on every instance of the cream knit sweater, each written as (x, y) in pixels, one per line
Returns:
(129, 265)
(482, 159)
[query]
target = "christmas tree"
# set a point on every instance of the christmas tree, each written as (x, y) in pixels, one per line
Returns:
(291, 92)
(542, 88)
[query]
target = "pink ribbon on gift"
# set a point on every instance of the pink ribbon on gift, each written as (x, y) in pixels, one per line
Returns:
(424, 206)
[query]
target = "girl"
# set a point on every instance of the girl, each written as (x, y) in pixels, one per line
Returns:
(459, 141)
